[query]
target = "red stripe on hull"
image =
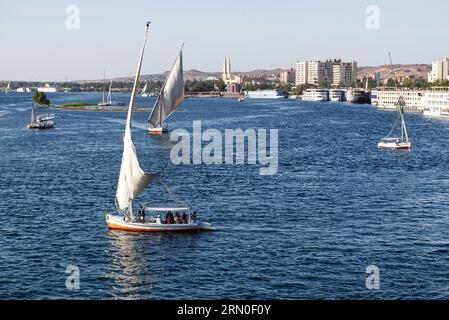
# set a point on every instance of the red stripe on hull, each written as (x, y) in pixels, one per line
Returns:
(113, 226)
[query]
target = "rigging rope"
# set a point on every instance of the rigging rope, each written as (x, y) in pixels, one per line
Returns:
(394, 126)
(171, 193)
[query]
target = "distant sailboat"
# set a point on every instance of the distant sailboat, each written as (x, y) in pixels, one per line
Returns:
(132, 182)
(44, 121)
(402, 142)
(170, 97)
(144, 90)
(108, 101)
(8, 87)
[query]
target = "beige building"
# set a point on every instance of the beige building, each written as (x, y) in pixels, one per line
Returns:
(287, 76)
(344, 74)
(440, 70)
(326, 73)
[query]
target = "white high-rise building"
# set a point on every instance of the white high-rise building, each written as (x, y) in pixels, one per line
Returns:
(440, 70)
(313, 73)
(302, 72)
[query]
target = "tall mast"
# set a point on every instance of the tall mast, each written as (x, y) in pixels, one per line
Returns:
(394, 73)
(109, 93)
(132, 179)
(104, 83)
(32, 112)
(137, 79)
(401, 104)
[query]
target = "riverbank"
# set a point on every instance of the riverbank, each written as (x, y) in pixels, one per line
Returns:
(83, 106)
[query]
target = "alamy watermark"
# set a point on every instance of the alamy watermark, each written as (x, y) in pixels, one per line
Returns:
(372, 21)
(373, 280)
(72, 21)
(220, 148)
(72, 282)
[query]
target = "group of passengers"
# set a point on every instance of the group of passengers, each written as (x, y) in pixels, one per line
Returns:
(177, 218)
(170, 218)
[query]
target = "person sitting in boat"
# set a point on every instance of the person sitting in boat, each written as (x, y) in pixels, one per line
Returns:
(184, 218)
(193, 217)
(158, 219)
(177, 218)
(142, 214)
(167, 217)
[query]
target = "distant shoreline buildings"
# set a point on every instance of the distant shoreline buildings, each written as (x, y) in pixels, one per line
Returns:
(330, 73)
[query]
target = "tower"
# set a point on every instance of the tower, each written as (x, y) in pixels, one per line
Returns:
(227, 70)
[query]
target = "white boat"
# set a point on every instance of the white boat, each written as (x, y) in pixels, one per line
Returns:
(436, 102)
(337, 95)
(47, 89)
(402, 142)
(132, 182)
(170, 98)
(265, 94)
(44, 121)
(316, 95)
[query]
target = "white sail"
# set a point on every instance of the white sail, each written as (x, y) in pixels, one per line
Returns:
(109, 99)
(8, 87)
(132, 179)
(144, 90)
(171, 95)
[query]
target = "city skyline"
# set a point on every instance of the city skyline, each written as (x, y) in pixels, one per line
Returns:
(39, 45)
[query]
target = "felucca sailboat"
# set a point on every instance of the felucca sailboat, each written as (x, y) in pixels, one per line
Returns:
(170, 97)
(402, 142)
(132, 182)
(108, 102)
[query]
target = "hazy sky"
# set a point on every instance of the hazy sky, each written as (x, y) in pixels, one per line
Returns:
(36, 45)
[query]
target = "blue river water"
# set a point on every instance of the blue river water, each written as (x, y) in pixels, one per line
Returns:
(336, 206)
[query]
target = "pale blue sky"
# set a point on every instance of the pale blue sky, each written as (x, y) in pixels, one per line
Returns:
(36, 45)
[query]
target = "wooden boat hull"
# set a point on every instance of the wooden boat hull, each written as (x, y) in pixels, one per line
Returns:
(116, 222)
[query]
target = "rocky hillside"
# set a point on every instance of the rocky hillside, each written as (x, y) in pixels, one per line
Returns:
(401, 70)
